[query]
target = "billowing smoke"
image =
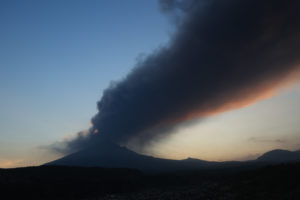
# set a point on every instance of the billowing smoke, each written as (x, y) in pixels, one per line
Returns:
(226, 54)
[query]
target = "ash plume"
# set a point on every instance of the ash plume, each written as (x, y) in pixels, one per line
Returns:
(225, 55)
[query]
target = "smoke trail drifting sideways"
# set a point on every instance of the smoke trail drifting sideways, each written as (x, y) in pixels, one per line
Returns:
(225, 55)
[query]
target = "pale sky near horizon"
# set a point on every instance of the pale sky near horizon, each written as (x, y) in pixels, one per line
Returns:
(57, 57)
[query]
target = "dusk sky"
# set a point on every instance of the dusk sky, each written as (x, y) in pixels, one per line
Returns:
(58, 57)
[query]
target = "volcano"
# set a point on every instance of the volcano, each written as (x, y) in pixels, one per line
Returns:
(110, 155)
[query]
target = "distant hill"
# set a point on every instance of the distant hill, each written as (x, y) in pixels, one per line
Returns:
(279, 155)
(110, 155)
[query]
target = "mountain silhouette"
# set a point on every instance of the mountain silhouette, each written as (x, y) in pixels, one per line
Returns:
(110, 155)
(279, 156)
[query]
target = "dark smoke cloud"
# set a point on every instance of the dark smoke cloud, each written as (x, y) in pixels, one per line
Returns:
(184, 6)
(178, 9)
(226, 54)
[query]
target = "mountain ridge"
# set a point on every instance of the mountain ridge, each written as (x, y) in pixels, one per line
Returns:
(110, 155)
(280, 155)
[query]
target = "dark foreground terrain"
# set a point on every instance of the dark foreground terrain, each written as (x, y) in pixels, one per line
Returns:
(53, 182)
